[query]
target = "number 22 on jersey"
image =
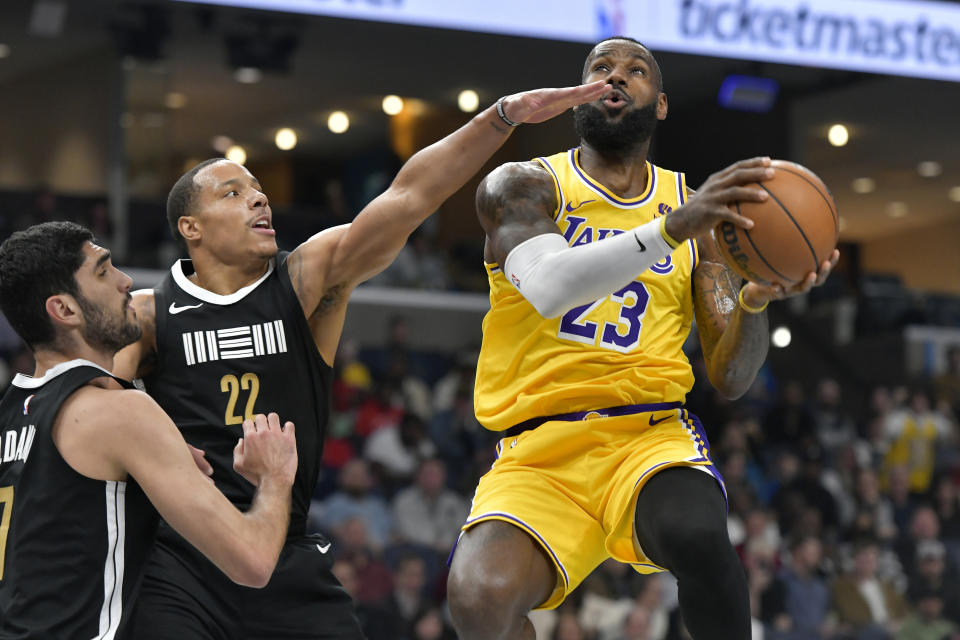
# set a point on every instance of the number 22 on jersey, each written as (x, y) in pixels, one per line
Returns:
(233, 385)
(622, 335)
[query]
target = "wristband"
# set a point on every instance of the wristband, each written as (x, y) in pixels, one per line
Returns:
(503, 116)
(748, 308)
(666, 236)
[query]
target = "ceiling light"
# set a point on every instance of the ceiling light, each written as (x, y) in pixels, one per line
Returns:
(468, 101)
(286, 139)
(338, 122)
(896, 209)
(4, 50)
(863, 185)
(954, 194)
(221, 143)
(174, 100)
(392, 105)
(237, 154)
(247, 75)
(838, 135)
(780, 337)
(929, 169)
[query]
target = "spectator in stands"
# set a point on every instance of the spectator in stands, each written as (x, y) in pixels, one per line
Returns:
(430, 625)
(796, 606)
(927, 622)
(355, 499)
(790, 423)
(873, 506)
(924, 527)
(929, 573)
(406, 601)
(947, 506)
(428, 513)
(804, 492)
(901, 499)
(833, 423)
(373, 574)
(914, 433)
(397, 451)
(866, 606)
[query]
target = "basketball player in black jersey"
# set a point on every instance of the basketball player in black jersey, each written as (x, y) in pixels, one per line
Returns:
(240, 328)
(85, 454)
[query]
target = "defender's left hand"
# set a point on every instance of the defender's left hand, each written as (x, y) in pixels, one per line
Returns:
(540, 105)
(756, 295)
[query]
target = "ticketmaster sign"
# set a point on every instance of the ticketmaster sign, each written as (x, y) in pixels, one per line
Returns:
(898, 37)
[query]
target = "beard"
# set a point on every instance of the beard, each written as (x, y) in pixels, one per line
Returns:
(615, 137)
(102, 331)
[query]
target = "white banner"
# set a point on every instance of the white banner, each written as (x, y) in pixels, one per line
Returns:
(895, 37)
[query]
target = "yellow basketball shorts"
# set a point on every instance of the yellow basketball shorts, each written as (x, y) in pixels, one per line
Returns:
(572, 484)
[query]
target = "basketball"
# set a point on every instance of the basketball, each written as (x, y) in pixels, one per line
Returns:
(794, 230)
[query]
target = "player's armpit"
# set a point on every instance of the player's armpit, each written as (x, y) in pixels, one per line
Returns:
(515, 202)
(138, 359)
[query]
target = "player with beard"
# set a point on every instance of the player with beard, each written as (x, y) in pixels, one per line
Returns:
(582, 362)
(85, 455)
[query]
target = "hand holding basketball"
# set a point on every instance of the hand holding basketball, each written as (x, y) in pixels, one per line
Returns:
(710, 205)
(793, 239)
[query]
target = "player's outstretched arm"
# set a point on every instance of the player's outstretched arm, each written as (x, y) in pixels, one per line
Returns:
(340, 258)
(136, 437)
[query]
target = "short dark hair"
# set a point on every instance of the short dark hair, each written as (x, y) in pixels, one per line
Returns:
(182, 195)
(35, 264)
(656, 65)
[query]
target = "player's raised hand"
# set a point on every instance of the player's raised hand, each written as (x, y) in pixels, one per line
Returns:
(540, 105)
(266, 450)
(709, 206)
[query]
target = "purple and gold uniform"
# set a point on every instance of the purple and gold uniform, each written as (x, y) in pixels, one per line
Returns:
(596, 393)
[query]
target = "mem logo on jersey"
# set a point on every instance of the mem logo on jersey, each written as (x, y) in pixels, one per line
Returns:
(248, 341)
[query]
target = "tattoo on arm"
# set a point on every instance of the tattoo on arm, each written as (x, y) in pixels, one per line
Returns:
(515, 203)
(734, 343)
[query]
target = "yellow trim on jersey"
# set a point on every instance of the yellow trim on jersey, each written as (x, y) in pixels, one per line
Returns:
(614, 199)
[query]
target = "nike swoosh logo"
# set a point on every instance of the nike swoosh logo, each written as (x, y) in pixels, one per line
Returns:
(572, 209)
(655, 422)
(174, 309)
(324, 548)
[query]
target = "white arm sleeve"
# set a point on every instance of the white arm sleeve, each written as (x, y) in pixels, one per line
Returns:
(555, 278)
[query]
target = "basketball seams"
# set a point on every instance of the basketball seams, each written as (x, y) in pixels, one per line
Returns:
(816, 263)
(826, 198)
(757, 251)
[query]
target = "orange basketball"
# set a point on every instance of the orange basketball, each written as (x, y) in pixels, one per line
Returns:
(794, 230)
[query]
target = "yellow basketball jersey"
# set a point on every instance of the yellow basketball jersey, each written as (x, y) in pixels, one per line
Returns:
(620, 350)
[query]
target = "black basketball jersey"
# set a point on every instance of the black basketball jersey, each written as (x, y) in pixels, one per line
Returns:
(72, 549)
(224, 358)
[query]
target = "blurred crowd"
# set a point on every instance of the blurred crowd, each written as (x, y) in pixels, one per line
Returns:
(846, 514)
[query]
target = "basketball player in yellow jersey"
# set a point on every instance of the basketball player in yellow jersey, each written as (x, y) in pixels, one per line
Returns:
(598, 262)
